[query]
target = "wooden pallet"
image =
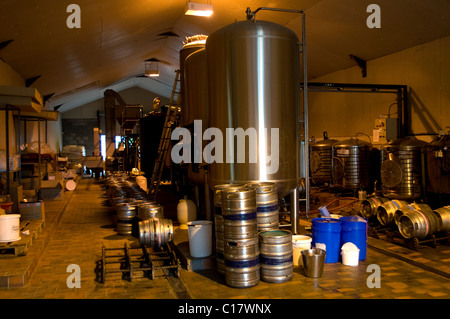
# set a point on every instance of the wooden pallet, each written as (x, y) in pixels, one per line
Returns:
(20, 247)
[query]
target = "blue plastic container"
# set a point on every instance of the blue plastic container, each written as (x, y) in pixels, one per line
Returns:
(354, 230)
(326, 234)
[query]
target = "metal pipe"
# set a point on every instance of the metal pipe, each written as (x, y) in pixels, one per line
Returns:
(294, 211)
(305, 114)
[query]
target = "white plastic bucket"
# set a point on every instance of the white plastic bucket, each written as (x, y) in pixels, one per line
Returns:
(71, 185)
(299, 243)
(200, 238)
(9, 228)
(350, 254)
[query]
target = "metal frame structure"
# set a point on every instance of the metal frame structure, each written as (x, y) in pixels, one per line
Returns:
(403, 125)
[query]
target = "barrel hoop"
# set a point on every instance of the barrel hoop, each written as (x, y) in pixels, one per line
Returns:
(234, 217)
(275, 261)
(264, 209)
(241, 263)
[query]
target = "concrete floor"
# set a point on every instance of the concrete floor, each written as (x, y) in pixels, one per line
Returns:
(78, 226)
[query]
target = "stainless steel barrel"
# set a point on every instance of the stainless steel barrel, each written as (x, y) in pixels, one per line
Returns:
(276, 255)
(386, 212)
(150, 209)
(155, 232)
(125, 215)
(266, 205)
(218, 224)
(369, 206)
(242, 267)
(419, 223)
(253, 75)
(239, 213)
(443, 215)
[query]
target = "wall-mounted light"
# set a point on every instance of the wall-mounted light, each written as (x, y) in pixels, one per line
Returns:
(151, 67)
(199, 9)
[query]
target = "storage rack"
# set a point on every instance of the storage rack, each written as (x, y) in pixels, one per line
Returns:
(148, 262)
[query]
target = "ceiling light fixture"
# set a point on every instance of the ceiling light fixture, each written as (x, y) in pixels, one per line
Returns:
(199, 9)
(151, 67)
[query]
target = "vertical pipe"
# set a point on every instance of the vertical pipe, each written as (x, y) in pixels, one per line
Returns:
(294, 211)
(7, 149)
(305, 114)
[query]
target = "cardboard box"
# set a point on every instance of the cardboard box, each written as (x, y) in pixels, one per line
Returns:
(52, 190)
(30, 211)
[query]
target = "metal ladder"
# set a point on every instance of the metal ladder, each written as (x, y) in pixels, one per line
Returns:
(172, 112)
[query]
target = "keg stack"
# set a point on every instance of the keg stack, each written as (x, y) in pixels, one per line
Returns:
(218, 221)
(240, 236)
(137, 213)
(249, 244)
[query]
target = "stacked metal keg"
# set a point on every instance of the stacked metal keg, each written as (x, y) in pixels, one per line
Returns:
(137, 213)
(276, 255)
(218, 222)
(266, 205)
(249, 244)
(240, 232)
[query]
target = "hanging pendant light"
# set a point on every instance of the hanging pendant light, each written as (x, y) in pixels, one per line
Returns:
(199, 9)
(152, 67)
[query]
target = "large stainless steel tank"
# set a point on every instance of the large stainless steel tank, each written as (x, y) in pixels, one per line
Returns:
(321, 161)
(190, 45)
(253, 74)
(402, 168)
(195, 88)
(351, 163)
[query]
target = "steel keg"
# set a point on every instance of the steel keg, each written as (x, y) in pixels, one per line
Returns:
(155, 232)
(125, 215)
(241, 257)
(150, 209)
(402, 211)
(419, 223)
(370, 206)
(276, 255)
(239, 213)
(218, 224)
(443, 215)
(386, 211)
(267, 213)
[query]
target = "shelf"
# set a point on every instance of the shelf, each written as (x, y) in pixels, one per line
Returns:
(26, 99)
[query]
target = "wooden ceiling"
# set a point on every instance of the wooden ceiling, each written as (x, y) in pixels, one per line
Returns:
(75, 66)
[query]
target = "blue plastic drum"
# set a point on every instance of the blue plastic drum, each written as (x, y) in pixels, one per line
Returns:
(354, 230)
(326, 234)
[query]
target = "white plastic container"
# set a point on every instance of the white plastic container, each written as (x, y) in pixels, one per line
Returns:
(299, 243)
(350, 254)
(186, 212)
(9, 228)
(200, 238)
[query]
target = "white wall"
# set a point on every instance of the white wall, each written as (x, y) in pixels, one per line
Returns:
(425, 69)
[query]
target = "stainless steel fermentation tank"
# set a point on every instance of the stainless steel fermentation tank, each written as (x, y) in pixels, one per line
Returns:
(403, 168)
(192, 79)
(253, 74)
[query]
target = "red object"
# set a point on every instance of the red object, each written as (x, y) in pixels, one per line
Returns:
(7, 207)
